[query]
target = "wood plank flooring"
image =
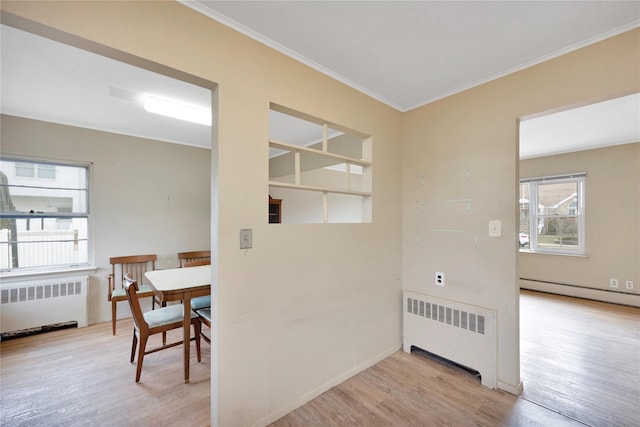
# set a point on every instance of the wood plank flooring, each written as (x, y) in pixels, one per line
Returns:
(412, 390)
(580, 366)
(82, 377)
(579, 358)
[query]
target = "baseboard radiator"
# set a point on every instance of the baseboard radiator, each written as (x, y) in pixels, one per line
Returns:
(465, 335)
(36, 303)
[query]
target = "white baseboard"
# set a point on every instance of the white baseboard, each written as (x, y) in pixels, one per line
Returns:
(582, 292)
(274, 416)
(510, 388)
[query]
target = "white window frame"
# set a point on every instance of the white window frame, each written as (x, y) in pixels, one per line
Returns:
(45, 186)
(535, 215)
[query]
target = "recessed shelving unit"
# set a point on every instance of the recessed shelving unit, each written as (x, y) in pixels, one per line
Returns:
(322, 167)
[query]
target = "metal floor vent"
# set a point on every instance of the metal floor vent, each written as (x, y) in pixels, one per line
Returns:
(36, 292)
(451, 316)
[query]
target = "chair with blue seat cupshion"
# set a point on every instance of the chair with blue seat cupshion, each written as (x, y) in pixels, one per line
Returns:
(201, 305)
(134, 266)
(194, 259)
(154, 322)
(205, 317)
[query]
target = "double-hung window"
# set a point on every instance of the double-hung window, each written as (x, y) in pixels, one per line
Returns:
(552, 214)
(44, 214)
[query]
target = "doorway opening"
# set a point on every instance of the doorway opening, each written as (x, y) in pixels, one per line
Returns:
(576, 329)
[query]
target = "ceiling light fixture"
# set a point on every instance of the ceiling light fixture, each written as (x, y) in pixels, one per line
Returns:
(177, 110)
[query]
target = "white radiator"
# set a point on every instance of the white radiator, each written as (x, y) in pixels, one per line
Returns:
(460, 333)
(36, 303)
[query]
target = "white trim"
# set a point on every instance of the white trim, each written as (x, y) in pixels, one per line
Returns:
(592, 40)
(17, 276)
(510, 388)
(104, 129)
(554, 177)
(285, 50)
(582, 292)
(195, 5)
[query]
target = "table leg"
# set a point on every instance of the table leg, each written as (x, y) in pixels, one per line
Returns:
(187, 334)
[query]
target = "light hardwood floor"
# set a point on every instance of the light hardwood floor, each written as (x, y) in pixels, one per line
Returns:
(82, 377)
(580, 363)
(581, 358)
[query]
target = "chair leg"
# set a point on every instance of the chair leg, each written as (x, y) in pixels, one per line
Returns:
(113, 316)
(133, 346)
(164, 334)
(143, 346)
(197, 326)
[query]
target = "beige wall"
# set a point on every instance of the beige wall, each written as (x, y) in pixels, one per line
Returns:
(466, 148)
(309, 305)
(612, 218)
(146, 196)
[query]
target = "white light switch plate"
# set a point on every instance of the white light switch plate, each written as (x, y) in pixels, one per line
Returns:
(246, 238)
(495, 228)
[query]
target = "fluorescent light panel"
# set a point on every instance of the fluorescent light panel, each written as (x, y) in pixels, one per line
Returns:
(177, 110)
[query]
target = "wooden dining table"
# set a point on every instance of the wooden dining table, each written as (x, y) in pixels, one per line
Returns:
(182, 284)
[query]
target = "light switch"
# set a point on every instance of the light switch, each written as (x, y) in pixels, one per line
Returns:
(495, 228)
(246, 238)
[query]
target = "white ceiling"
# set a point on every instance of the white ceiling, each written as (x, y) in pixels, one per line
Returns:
(46, 80)
(409, 53)
(612, 122)
(403, 53)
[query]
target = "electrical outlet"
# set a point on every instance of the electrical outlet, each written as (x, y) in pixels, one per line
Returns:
(613, 283)
(629, 284)
(439, 279)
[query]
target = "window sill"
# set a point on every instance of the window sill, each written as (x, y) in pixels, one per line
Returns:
(14, 276)
(527, 251)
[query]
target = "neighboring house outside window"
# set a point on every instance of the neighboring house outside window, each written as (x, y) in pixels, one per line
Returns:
(44, 214)
(552, 214)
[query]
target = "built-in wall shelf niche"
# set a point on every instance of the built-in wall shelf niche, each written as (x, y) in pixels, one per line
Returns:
(322, 170)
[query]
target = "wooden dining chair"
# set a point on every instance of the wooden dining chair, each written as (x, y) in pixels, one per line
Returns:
(197, 263)
(184, 257)
(154, 322)
(194, 259)
(200, 305)
(205, 317)
(203, 301)
(135, 266)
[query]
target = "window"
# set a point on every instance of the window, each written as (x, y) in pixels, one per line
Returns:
(552, 214)
(320, 172)
(44, 214)
(29, 170)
